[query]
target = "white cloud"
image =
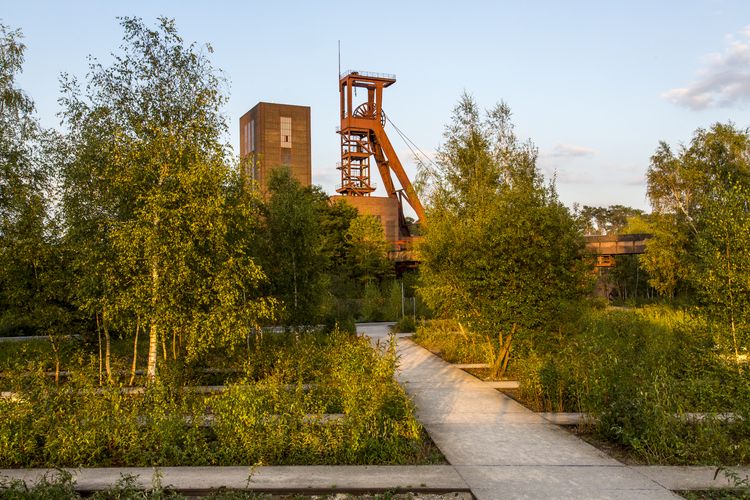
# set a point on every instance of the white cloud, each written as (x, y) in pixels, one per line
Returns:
(723, 80)
(608, 176)
(569, 150)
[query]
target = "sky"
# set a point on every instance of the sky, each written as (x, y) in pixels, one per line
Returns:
(596, 85)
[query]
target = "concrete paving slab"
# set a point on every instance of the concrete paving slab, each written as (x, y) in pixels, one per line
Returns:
(272, 479)
(514, 444)
(462, 417)
(565, 418)
(691, 477)
(503, 384)
(561, 482)
(573, 494)
(445, 400)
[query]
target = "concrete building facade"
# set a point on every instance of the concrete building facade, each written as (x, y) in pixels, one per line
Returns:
(272, 136)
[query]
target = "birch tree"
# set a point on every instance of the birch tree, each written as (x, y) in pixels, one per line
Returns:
(147, 197)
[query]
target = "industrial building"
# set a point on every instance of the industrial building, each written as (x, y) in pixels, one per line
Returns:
(272, 136)
(363, 138)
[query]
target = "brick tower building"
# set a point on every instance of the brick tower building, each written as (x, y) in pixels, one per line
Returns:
(276, 135)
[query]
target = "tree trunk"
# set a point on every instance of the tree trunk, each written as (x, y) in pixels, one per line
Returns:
(731, 309)
(99, 333)
(294, 276)
(56, 350)
(107, 346)
(135, 351)
(164, 346)
(153, 334)
(153, 345)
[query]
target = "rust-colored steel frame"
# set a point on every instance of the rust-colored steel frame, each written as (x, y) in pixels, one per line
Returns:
(606, 247)
(363, 136)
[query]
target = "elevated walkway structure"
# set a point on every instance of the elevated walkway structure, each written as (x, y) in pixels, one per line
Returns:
(607, 246)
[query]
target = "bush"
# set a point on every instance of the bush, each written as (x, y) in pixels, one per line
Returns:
(373, 303)
(275, 413)
(656, 380)
(653, 379)
(407, 324)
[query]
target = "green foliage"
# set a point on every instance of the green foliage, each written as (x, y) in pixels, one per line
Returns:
(453, 343)
(500, 252)
(393, 302)
(655, 380)
(52, 486)
(610, 220)
(628, 278)
(33, 291)
(127, 488)
(700, 196)
(276, 412)
(368, 251)
(325, 262)
(666, 257)
(335, 219)
(406, 324)
(292, 247)
(722, 263)
(60, 485)
(647, 400)
(372, 303)
(153, 209)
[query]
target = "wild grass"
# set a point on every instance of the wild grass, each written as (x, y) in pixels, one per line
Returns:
(60, 485)
(275, 411)
(453, 342)
(656, 380)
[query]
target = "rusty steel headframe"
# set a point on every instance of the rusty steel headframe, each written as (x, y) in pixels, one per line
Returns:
(363, 136)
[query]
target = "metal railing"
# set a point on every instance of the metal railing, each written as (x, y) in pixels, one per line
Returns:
(353, 185)
(371, 74)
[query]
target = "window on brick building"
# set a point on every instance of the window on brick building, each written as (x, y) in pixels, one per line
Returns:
(286, 132)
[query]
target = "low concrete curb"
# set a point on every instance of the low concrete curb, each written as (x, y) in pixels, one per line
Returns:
(675, 477)
(317, 479)
(313, 479)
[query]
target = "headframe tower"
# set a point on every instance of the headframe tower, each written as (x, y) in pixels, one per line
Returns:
(363, 137)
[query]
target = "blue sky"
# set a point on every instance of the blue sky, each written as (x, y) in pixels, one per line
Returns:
(595, 85)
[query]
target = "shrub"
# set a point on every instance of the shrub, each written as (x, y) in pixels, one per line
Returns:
(407, 324)
(277, 412)
(655, 380)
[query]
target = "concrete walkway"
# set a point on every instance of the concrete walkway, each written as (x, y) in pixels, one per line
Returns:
(502, 449)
